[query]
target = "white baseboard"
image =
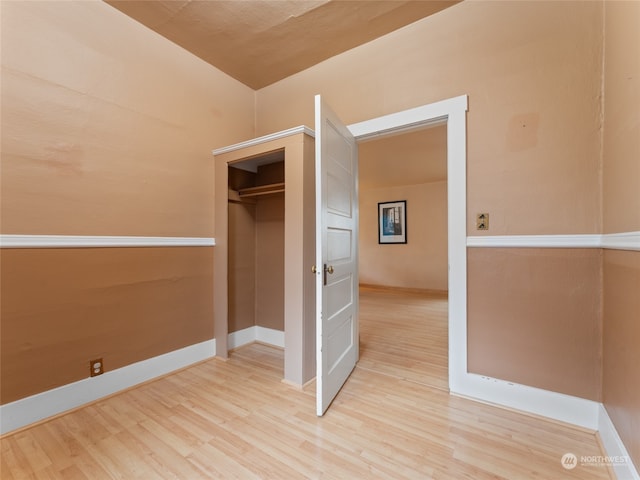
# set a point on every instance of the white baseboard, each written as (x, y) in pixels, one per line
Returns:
(614, 448)
(270, 336)
(32, 409)
(241, 337)
(256, 334)
(558, 406)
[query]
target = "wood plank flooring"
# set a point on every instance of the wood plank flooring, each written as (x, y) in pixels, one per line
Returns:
(237, 419)
(405, 334)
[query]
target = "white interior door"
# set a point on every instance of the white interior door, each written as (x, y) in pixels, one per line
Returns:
(336, 254)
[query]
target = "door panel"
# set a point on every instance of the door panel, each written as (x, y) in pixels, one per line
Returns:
(338, 245)
(339, 296)
(336, 254)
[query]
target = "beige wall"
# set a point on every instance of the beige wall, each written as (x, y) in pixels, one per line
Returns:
(621, 346)
(621, 200)
(242, 266)
(270, 262)
(533, 317)
(421, 262)
(107, 129)
(621, 144)
(256, 263)
(62, 308)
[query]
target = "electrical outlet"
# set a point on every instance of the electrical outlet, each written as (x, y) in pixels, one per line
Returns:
(482, 221)
(96, 367)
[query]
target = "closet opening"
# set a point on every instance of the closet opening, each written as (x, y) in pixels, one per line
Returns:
(265, 244)
(256, 192)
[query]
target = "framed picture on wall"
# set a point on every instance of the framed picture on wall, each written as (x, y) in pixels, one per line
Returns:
(392, 222)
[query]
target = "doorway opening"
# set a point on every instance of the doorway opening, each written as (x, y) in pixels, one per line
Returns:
(404, 286)
(451, 112)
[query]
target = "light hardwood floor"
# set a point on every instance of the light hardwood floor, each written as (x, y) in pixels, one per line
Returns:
(404, 333)
(236, 419)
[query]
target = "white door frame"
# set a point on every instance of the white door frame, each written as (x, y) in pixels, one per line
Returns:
(451, 112)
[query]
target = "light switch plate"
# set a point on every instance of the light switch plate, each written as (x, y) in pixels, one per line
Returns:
(482, 221)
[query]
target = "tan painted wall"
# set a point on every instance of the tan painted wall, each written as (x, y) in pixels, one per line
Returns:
(63, 307)
(621, 340)
(256, 263)
(270, 262)
(621, 200)
(534, 317)
(107, 129)
(242, 266)
(421, 262)
(532, 71)
(621, 148)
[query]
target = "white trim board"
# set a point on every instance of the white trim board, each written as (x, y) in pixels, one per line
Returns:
(614, 447)
(256, 334)
(621, 241)
(265, 139)
(37, 407)
(558, 406)
(614, 241)
(431, 114)
(96, 241)
(536, 241)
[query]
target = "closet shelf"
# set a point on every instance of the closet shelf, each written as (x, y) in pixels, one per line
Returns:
(261, 190)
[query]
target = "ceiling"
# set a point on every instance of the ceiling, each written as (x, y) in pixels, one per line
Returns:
(260, 42)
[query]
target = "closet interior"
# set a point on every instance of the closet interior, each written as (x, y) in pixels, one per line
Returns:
(256, 243)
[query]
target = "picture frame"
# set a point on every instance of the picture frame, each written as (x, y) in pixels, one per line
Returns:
(392, 222)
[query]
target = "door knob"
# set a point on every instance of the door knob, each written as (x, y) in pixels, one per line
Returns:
(314, 269)
(327, 269)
